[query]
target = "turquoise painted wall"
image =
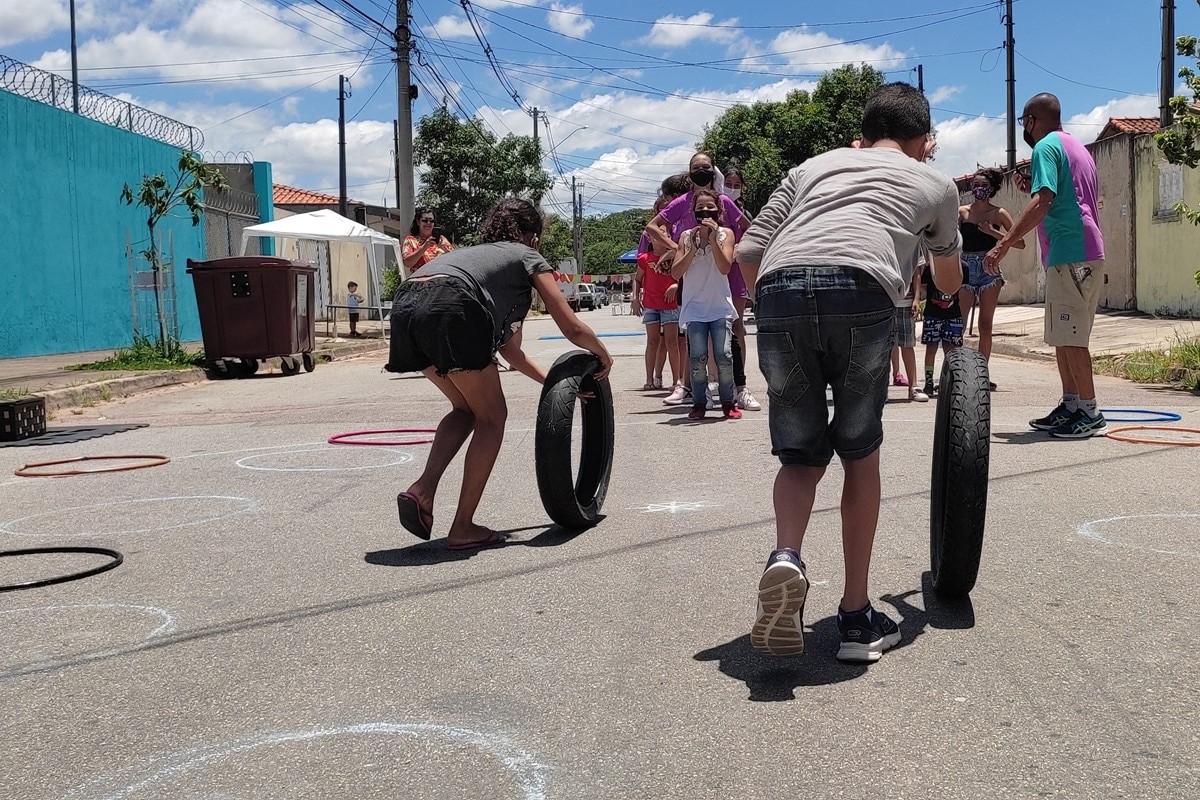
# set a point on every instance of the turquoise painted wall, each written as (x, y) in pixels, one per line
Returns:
(64, 278)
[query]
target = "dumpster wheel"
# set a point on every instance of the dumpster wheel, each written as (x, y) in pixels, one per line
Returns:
(309, 363)
(289, 365)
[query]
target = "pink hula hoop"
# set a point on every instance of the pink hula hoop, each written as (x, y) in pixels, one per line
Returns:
(346, 438)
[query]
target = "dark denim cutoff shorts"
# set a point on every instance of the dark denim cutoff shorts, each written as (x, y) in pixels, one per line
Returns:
(818, 327)
(442, 324)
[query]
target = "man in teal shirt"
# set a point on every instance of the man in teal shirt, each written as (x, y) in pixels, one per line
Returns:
(1064, 210)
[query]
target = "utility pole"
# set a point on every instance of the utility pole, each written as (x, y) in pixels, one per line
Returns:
(577, 223)
(921, 78)
(537, 142)
(74, 65)
(396, 161)
(406, 93)
(1166, 83)
(1012, 86)
(343, 201)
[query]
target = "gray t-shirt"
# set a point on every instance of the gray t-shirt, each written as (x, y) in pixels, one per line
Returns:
(871, 209)
(500, 274)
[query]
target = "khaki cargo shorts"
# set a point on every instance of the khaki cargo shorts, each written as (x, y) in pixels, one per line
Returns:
(1072, 295)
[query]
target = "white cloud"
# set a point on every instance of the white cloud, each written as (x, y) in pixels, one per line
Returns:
(805, 48)
(214, 31)
(453, 26)
(965, 143)
(944, 93)
(672, 31)
(568, 20)
(18, 24)
(1088, 124)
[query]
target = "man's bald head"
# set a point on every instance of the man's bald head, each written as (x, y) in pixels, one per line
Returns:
(1046, 108)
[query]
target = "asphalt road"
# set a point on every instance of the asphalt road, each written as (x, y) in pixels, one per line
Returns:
(273, 633)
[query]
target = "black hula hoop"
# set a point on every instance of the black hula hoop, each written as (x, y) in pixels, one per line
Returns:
(116, 557)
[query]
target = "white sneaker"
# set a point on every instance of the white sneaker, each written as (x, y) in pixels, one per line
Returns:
(675, 397)
(746, 401)
(919, 396)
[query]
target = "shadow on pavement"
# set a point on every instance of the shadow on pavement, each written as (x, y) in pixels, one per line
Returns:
(1023, 437)
(771, 679)
(423, 554)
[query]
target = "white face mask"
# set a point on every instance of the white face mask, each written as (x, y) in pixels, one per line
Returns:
(733, 194)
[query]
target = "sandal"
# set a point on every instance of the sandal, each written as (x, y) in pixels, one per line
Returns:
(494, 539)
(412, 516)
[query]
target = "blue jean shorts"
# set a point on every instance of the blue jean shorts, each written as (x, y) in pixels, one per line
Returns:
(978, 278)
(818, 327)
(653, 316)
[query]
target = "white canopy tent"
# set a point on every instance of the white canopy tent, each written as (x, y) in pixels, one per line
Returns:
(330, 226)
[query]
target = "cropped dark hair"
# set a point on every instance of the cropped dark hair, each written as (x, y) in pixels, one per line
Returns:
(995, 178)
(896, 111)
(511, 218)
(676, 184)
(415, 228)
(716, 198)
(730, 171)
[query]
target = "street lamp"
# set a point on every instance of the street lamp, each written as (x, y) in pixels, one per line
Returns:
(568, 136)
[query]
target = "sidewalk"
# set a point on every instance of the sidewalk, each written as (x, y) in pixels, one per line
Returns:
(1017, 332)
(63, 388)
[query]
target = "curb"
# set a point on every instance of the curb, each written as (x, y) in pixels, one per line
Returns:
(89, 394)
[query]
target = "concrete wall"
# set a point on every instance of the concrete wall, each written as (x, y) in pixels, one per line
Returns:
(1168, 247)
(1117, 217)
(63, 266)
(1024, 279)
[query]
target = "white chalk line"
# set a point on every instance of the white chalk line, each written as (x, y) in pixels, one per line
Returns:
(167, 625)
(251, 505)
(1091, 531)
(526, 770)
(402, 458)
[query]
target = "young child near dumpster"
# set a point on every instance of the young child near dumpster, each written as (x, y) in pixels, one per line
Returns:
(942, 323)
(830, 255)
(353, 301)
(707, 302)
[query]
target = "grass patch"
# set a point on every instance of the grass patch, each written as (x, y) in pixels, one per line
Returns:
(145, 354)
(14, 394)
(1178, 365)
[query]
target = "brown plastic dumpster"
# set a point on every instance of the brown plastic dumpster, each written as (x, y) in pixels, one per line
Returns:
(255, 307)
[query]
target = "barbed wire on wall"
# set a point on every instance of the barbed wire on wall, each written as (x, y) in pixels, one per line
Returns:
(228, 157)
(53, 90)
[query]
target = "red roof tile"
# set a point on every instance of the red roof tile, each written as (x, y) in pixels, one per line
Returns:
(291, 196)
(1133, 124)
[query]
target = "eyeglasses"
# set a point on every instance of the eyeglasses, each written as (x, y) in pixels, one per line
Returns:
(1021, 119)
(428, 219)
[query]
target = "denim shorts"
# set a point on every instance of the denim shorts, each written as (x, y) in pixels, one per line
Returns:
(977, 278)
(818, 327)
(440, 323)
(654, 316)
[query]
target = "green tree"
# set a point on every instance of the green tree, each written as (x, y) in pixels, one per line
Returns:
(766, 139)
(160, 196)
(556, 240)
(606, 237)
(466, 171)
(1179, 145)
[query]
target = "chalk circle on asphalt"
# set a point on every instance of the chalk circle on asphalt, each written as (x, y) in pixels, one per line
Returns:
(1147, 532)
(1124, 435)
(33, 631)
(24, 470)
(341, 460)
(1142, 415)
(114, 561)
(174, 774)
(153, 514)
(354, 437)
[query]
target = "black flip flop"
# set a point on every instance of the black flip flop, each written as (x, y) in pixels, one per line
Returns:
(410, 516)
(496, 539)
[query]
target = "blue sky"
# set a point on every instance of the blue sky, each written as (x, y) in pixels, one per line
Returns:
(627, 86)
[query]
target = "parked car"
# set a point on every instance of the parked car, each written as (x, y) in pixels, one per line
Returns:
(584, 299)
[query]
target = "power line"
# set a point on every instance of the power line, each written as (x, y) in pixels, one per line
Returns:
(284, 22)
(367, 102)
(1080, 83)
(118, 83)
(356, 51)
(487, 51)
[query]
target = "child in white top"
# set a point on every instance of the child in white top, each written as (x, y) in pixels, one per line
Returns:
(707, 304)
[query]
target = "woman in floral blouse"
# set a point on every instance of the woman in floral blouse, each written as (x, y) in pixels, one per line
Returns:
(424, 242)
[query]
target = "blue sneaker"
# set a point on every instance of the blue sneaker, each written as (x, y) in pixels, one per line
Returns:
(865, 634)
(779, 625)
(1081, 425)
(1060, 415)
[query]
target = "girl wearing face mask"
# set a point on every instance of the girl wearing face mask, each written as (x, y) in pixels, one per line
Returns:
(706, 256)
(982, 223)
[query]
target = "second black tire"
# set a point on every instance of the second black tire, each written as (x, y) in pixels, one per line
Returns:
(959, 481)
(574, 502)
